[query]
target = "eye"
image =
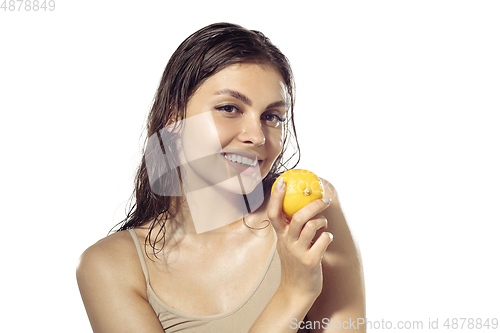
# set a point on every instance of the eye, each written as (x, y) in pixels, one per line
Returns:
(273, 119)
(231, 109)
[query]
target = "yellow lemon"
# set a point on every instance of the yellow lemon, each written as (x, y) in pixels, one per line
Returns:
(302, 188)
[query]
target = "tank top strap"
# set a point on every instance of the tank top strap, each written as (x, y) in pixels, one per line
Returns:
(140, 253)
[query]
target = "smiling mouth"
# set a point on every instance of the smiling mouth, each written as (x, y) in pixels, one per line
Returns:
(241, 160)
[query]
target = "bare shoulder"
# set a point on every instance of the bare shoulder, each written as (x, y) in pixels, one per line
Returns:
(343, 294)
(114, 259)
(113, 287)
(119, 240)
(344, 241)
(111, 257)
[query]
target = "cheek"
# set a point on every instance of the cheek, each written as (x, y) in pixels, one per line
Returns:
(225, 132)
(274, 141)
(200, 137)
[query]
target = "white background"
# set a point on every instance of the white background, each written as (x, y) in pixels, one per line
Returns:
(397, 106)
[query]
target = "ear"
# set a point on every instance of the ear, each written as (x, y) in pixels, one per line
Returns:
(173, 124)
(174, 128)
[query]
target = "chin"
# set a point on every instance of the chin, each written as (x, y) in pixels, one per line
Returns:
(241, 183)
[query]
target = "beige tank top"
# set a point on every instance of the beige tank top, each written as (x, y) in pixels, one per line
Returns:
(239, 319)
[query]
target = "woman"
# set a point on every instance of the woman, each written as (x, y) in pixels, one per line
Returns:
(205, 247)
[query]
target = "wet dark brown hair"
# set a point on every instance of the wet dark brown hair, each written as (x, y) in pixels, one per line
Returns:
(200, 56)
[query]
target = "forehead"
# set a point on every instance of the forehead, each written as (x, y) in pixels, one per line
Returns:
(259, 81)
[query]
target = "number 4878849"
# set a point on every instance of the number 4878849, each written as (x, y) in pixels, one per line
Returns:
(28, 5)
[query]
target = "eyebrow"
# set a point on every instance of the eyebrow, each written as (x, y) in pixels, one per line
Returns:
(245, 99)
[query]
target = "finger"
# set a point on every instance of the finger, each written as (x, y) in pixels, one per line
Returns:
(310, 230)
(274, 210)
(300, 218)
(319, 247)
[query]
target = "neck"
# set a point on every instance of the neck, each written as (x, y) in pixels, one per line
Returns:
(212, 215)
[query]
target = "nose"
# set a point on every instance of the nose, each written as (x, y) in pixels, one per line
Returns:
(251, 131)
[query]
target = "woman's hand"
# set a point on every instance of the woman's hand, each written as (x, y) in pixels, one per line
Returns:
(301, 272)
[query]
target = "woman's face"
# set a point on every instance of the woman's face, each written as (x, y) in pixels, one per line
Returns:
(236, 127)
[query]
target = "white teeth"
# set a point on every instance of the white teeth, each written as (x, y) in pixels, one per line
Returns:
(245, 161)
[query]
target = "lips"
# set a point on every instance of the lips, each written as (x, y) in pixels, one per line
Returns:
(241, 159)
(243, 153)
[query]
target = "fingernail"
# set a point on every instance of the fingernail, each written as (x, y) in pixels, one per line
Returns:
(327, 200)
(280, 183)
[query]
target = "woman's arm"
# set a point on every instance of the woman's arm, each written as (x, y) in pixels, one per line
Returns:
(108, 279)
(301, 273)
(341, 305)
